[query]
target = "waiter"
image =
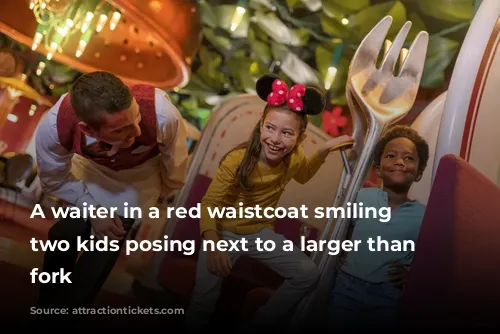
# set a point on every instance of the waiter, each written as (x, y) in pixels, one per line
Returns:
(105, 144)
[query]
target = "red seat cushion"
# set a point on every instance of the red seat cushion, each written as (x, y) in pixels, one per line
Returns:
(454, 275)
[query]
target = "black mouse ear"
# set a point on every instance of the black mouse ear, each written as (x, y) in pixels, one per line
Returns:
(314, 101)
(264, 85)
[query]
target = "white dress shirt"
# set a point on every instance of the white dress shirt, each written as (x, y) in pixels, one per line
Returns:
(78, 180)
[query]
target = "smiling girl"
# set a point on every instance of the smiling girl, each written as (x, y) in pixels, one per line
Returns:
(256, 173)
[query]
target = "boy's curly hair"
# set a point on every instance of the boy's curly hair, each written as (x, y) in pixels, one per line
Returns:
(404, 131)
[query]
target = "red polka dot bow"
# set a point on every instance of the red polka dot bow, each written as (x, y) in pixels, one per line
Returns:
(292, 97)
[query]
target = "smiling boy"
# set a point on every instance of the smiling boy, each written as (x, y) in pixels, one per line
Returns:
(370, 283)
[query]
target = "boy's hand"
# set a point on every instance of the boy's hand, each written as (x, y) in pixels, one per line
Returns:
(398, 273)
(342, 260)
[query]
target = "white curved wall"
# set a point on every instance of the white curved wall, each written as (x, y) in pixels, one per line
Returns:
(427, 124)
(471, 116)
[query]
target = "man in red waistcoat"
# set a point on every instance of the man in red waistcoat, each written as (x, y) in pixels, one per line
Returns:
(107, 145)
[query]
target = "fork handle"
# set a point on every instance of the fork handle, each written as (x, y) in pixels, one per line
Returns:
(345, 160)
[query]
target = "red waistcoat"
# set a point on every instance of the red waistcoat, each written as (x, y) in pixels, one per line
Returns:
(73, 139)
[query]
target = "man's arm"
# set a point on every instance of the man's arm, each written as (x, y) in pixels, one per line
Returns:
(173, 145)
(54, 165)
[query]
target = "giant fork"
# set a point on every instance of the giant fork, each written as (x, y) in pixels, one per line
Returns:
(359, 133)
(384, 98)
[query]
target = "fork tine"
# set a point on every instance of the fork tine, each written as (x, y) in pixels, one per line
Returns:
(370, 46)
(390, 59)
(413, 65)
(411, 72)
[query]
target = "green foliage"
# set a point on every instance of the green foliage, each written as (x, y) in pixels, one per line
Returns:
(289, 32)
(440, 54)
(332, 6)
(455, 11)
(363, 21)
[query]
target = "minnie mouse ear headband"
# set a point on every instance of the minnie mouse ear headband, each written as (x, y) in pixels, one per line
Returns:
(298, 98)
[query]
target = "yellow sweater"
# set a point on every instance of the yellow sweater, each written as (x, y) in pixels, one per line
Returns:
(268, 184)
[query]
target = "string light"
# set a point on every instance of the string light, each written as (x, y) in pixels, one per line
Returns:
(57, 24)
(238, 14)
(338, 14)
(32, 109)
(40, 68)
(114, 20)
(102, 22)
(38, 37)
(331, 73)
(87, 21)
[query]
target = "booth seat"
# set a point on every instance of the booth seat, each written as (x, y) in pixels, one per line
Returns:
(454, 276)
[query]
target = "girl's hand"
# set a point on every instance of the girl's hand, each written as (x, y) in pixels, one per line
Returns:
(336, 143)
(219, 263)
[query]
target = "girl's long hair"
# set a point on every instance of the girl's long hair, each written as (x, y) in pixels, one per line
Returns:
(253, 148)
